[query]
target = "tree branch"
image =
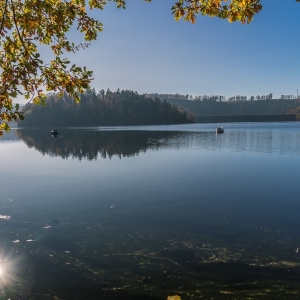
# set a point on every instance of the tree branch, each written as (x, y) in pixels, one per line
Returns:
(3, 16)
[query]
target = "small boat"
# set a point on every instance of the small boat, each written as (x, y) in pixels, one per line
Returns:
(220, 130)
(54, 132)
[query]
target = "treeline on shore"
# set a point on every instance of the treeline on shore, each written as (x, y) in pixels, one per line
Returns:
(120, 108)
(259, 107)
(296, 111)
(246, 118)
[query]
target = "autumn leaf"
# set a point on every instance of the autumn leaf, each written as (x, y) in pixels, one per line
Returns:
(174, 297)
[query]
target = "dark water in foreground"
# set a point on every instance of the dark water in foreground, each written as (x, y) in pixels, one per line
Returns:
(147, 212)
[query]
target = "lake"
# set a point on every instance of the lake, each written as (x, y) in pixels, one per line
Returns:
(153, 211)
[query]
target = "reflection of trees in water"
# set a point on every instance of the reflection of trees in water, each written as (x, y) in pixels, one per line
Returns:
(259, 141)
(90, 144)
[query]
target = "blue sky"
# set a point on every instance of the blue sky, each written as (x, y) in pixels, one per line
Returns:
(144, 49)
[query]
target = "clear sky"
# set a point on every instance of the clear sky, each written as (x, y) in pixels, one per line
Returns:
(144, 49)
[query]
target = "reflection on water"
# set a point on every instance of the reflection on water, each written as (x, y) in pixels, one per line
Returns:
(263, 142)
(200, 215)
(9, 137)
(90, 144)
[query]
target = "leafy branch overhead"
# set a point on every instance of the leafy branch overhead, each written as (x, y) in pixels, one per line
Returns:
(25, 25)
(234, 10)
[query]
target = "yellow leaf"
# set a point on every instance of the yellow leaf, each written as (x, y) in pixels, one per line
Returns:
(174, 297)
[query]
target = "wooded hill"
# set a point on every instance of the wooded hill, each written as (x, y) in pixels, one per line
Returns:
(108, 108)
(296, 111)
(214, 108)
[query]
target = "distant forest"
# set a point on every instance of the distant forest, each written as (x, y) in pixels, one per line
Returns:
(108, 108)
(258, 107)
(296, 111)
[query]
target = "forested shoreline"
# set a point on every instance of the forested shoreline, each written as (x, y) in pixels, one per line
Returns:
(120, 108)
(216, 108)
(296, 111)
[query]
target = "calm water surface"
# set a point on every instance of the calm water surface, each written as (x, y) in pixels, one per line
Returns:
(147, 212)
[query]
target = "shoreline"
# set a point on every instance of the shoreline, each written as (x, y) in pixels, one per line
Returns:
(245, 118)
